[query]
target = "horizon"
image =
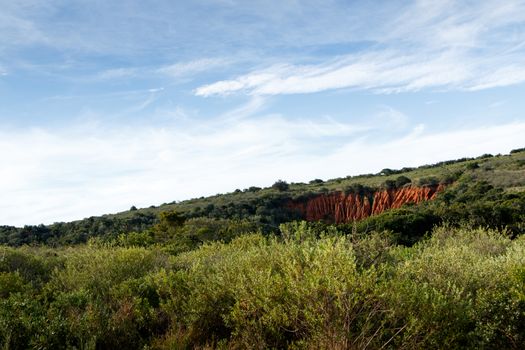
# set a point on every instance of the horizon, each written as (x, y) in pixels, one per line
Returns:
(108, 106)
(211, 195)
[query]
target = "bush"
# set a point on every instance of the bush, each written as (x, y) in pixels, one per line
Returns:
(103, 297)
(310, 287)
(265, 294)
(32, 266)
(281, 186)
(316, 182)
(11, 282)
(389, 184)
(472, 166)
(485, 156)
(446, 290)
(408, 224)
(358, 189)
(402, 180)
(517, 150)
(428, 181)
(387, 172)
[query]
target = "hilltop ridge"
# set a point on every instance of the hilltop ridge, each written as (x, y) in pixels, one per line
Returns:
(341, 200)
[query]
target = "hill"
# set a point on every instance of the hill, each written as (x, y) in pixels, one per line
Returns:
(487, 190)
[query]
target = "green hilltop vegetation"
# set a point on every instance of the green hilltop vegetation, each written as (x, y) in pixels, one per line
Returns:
(241, 271)
(485, 191)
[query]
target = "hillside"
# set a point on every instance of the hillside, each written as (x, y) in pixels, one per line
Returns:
(341, 200)
(502, 171)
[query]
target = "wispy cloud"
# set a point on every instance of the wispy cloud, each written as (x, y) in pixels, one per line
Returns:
(109, 167)
(385, 72)
(497, 104)
(184, 69)
(382, 72)
(16, 29)
(115, 73)
(430, 45)
(96, 168)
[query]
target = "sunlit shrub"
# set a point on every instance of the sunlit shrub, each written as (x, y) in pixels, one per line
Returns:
(445, 289)
(309, 287)
(259, 292)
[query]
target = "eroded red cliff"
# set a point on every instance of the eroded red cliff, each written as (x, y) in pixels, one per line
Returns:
(340, 208)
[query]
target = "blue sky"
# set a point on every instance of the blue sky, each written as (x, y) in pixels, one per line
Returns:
(108, 104)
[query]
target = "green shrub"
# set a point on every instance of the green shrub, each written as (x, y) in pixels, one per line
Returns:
(453, 291)
(402, 180)
(309, 287)
(517, 150)
(262, 293)
(428, 181)
(31, 267)
(281, 186)
(103, 298)
(11, 282)
(472, 166)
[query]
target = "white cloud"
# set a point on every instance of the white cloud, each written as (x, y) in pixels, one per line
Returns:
(16, 30)
(115, 73)
(509, 75)
(420, 147)
(497, 104)
(88, 170)
(437, 45)
(84, 170)
(183, 69)
(384, 72)
(180, 70)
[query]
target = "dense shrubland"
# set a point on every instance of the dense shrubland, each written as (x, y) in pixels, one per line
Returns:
(311, 287)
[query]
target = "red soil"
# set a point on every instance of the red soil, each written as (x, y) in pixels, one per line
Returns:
(340, 208)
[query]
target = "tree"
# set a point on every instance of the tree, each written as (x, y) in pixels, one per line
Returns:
(316, 182)
(253, 189)
(281, 186)
(387, 172)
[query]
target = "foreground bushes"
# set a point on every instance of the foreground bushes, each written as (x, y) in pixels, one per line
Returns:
(461, 288)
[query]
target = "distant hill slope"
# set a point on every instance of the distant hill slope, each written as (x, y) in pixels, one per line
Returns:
(502, 171)
(459, 187)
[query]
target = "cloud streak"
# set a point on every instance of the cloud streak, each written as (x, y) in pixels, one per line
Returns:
(184, 69)
(385, 72)
(440, 46)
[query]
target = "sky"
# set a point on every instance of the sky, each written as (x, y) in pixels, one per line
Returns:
(109, 104)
